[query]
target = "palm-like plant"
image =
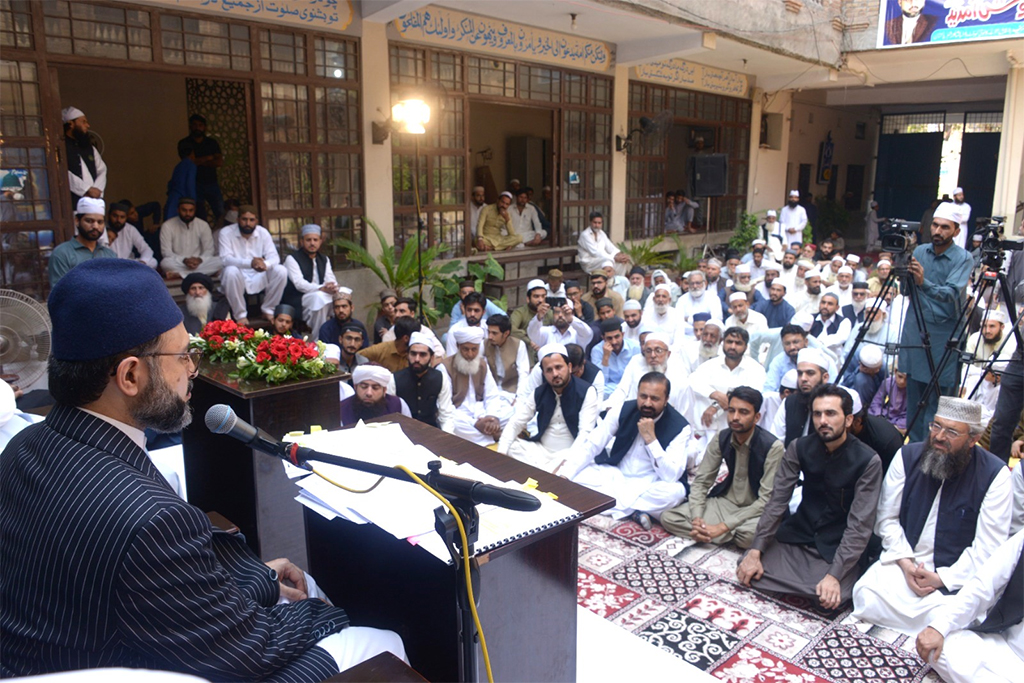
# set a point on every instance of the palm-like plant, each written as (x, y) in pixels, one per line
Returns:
(400, 272)
(646, 254)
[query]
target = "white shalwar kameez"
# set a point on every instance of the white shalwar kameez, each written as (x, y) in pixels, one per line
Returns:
(709, 377)
(969, 657)
(689, 305)
(549, 451)
(474, 407)
(536, 378)
(676, 371)
(317, 305)
(240, 278)
(130, 238)
(882, 595)
(179, 241)
(594, 248)
(647, 477)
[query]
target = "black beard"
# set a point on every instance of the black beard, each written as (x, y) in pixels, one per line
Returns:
(198, 134)
(367, 411)
(159, 408)
(792, 203)
(561, 325)
(648, 412)
(186, 221)
(115, 228)
(247, 231)
(82, 138)
(633, 323)
(944, 466)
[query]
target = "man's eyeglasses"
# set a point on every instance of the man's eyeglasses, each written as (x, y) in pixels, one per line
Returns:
(937, 429)
(195, 356)
(655, 351)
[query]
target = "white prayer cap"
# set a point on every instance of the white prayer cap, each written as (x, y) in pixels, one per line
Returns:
(870, 356)
(789, 379)
(71, 113)
(959, 410)
(332, 352)
(771, 265)
(632, 305)
(757, 242)
(977, 237)
(858, 405)
(647, 327)
(883, 260)
(806, 263)
(371, 373)
(658, 273)
(997, 315)
(743, 268)
(420, 338)
(957, 191)
(549, 349)
(467, 334)
(947, 211)
(813, 356)
(838, 258)
(845, 270)
(714, 262)
(506, 194)
(772, 213)
(310, 229)
(871, 303)
(794, 193)
(536, 283)
(514, 181)
(813, 272)
(663, 286)
(736, 296)
(803, 319)
(852, 258)
(658, 336)
(345, 292)
(90, 205)
(607, 263)
(716, 323)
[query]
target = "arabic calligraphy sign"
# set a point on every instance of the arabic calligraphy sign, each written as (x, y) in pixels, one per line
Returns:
(335, 15)
(683, 74)
(448, 28)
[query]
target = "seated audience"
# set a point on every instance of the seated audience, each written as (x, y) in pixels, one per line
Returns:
(507, 358)
(816, 551)
(854, 311)
(330, 331)
(946, 506)
(251, 265)
(645, 468)
(660, 314)
(594, 248)
(632, 314)
(536, 294)
(283, 320)
(386, 316)
(565, 328)
(698, 299)
(865, 373)
(729, 511)
(526, 220)
(743, 315)
(393, 355)
(311, 282)
(794, 417)
(349, 342)
(89, 220)
(617, 283)
(479, 410)
(186, 244)
(656, 356)
(890, 401)
(776, 310)
(425, 389)
(495, 231)
(794, 338)
(564, 406)
(473, 305)
(613, 355)
(878, 434)
(406, 307)
(581, 309)
(638, 290)
(201, 303)
(457, 312)
(599, 290)
(370, 399)
(124, 239)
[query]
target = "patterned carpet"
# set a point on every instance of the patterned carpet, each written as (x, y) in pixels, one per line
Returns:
(684, 598)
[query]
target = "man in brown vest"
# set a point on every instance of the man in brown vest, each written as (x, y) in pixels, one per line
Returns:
(507, 357)
(479, 413)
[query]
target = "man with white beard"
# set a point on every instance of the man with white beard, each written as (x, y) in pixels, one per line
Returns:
(479, 411)
(704, 346)
(843, 287)
(655, 356)
(698, 299)
(660, 314)
(879, 333)
(201, 306)
(945, 508)
(632, 314)
(743, 316)
(854, 311)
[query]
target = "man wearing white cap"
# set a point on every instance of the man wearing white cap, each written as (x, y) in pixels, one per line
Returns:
(371, 399)
(772, 228)
(865, 373)
(564, 407)
(843, 286)
(879, 332)
(536, 294)
(945, 507)
(793, 218)
(251, 265)
(87, 174)
(494, 231)
(594, 248)
(829, 327)
(660, 314)
(940, 271)
(743, 316)
(962, 211)
(656, 356)
(645, 468)
(565, 328)
(698, 299)
(859, 273)
(985, 343)
(882, 270)
(90, 219)
(479, 410)
(771, 271)
(632, 315)
(478, 201)
(830, 273)
(310, 278)
(425, 389)
(793, 419)
(660, 277)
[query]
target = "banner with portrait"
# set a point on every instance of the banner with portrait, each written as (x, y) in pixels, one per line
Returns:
(905, 23)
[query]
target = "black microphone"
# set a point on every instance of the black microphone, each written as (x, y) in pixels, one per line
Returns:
(221, 419)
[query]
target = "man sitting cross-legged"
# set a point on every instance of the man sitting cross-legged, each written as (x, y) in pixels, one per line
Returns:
(479, 411)
(645, 469)
(817, 550)
(729, 511)
(945, 508)
(566, 411)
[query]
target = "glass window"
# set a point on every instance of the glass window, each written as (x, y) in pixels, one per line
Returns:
(283, 52)
(601, 91)
(20, 109)
(408, 65)
(336, 59)
(337, 116)
(285, 112)
(97, 31)
(349, 227)
(403, 167)
(446, 69)
(285, 232)
(289, 181)
(539, 83)
(491, 77)
(340, 181)
(449, 180)
(205, 43)
(16, 24)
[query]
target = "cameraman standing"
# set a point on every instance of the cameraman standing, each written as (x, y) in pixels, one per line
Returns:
(940, 272)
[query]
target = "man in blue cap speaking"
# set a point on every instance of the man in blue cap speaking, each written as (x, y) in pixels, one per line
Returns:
(101, 564)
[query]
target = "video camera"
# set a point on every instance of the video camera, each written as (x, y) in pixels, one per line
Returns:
(899, 236)
(991, 231)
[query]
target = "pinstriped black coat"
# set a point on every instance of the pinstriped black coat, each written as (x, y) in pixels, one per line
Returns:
(101, 564)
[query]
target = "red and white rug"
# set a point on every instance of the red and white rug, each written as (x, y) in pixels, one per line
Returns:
(684, 598)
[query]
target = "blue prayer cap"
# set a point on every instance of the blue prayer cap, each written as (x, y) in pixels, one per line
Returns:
(104, 307)
(697, 317)
(310, 229)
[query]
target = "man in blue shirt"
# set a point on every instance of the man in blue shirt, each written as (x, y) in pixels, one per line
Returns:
(940, 272)
(90, 221)
(613, 355)
(793, 338)
(776, 310)
(458, 314)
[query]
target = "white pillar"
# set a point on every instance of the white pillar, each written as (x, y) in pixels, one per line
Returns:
(620, 126)
(378, 200)
(756, 99)
(1010, 168)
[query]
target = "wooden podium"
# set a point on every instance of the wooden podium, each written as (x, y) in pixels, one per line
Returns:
(248, 487)
(527, 591)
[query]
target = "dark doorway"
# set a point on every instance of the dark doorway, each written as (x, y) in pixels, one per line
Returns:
(979, 156)
(803, 182)
(853, 197)
(908, 173)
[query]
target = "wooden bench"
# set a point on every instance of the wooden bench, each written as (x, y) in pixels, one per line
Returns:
(523, 265)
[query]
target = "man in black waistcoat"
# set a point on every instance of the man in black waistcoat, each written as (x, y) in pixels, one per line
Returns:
(945, 507)
(425, 389)
(645, 470)
(960, 649)
(729, 511)
(817, 550)
(793, 419)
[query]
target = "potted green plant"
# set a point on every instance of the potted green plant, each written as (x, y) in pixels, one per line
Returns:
(645, 254)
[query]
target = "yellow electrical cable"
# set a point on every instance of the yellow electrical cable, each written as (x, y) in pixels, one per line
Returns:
(465, 564)
(342, 486)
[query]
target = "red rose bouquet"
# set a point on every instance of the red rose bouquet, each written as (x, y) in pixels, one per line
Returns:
(225, 341)
(279, 359)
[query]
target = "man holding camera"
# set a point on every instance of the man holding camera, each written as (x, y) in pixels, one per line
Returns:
(940, 271)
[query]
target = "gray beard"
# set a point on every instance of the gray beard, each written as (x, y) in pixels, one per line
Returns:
(876, 326)
(467, 367)
(199, 306)
(661, 309)
(942, 466)
(657, 367)
(859, 306)
(707, 352)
